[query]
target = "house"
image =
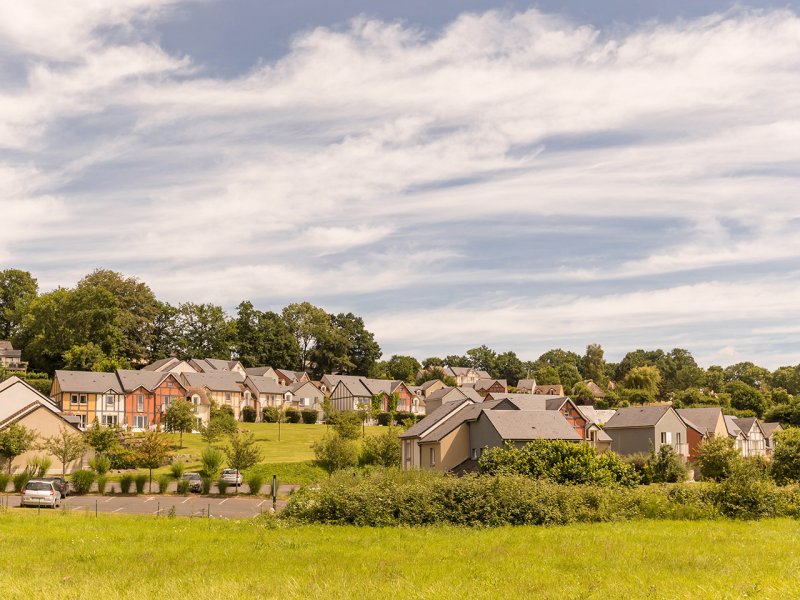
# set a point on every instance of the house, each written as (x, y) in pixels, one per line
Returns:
(90, 397)
(526, 386)
(410, 450)
(549, 390)
(428, 388)
(755, 439)
(702, 423)
(216, 365)
(736, 434)
(770, 429)
(170, 365)
(446, 394)
(262, 372)
(465, 375)
(304, 395)
(489, 386)
(22, 404)
(597, 392)
(266, 391)
(350, 392)
(201, 401)
(635, 429)
(287, 377)
(148, 394)
(223, 387)
(11, 359)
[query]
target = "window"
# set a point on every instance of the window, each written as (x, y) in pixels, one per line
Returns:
(109, 401)
(433, 457)
(109, 420)
(140, 402)
(196, 400)
(83, 399)
(474, 454)
(140, 422)
(678, 438)
(73, 399)
(666, 437)
(228, 397)
(82, 419)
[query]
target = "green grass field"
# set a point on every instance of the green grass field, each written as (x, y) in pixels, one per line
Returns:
(72, 556)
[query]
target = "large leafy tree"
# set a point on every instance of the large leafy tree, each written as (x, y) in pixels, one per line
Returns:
(747, 373)
(164, 334)
(594, 364)
(180, 417)
(645, 378)
(509, 367)
(482, 358)
(15, 439)
(307, 323)
(66, 447)
(403, 368)
(203, 330)
(746, 397)
(17, 290)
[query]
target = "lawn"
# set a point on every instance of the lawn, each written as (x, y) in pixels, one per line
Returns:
(114, 556)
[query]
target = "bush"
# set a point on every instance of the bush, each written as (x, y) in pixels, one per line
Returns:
(384, 418)
(348, 425)
(123, 458)
(125, 483)
(5, 479)
(222, 486)
(249, 414)
(716, 458)
(333, 452)
(405, 418)
(100, 464)
(205, 483)
(177, 469)
(309, 416)
(163, 483)
(140, 481)
(102, 483)
(212, 459)
(382, 449)
(292, 415)
(82, 481)
(667, 466)
(786, 456)
(20, 479)
(747, 494)
(255, 481)
(183, 486)
(38, 466)
(270, 414)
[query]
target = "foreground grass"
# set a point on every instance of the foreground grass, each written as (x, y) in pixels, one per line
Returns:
(136, 557)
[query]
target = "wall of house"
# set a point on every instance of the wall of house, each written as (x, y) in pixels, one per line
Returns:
(575, 419)
(694, 438)
(483, 435)
(115, 411)
(47, 424)
(672, 423)
(342, 399)
(632, 440)
(410, 456)
(454, 448)
(148, 407)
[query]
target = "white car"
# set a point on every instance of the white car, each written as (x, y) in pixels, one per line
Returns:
(232, 476)
(40, 493)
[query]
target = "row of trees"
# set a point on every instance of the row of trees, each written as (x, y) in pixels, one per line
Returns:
(109, 321)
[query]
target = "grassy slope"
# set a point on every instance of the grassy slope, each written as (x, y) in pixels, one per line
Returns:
(147, 557)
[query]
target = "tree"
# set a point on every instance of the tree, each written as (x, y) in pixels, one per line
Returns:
(211, 460)
(594, 365)
(90, 357)
(17, 290)
(679, 371)
(432, 361)
(786, 414)
(745, 397)
(556, 358)
(151, 451)
(715, 378)
(747, 373)
(15, 439)
(333, 452)
(666, 466)
(164, 336)
(509, 367)
(645, 378)
(403, 368)
(717, 458)
(382, 449)
(242, 452)
(220, 423)
(787, 378)
(432, 373)
(307, 324)
(482, 358)
(180, 417)
(582, 393)
(637, 358)
(547, 375)
(347, 425)
(569, 375)
(786, 456)
(103, 439)
(263, 338)
(66, 447)
(203, 330)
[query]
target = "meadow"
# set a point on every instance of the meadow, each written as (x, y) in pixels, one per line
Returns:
(148, 557)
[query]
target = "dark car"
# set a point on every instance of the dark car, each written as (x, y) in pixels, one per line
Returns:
(195, 482)
(59, 483)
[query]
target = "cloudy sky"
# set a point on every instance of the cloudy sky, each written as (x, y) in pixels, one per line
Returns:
(457, 172)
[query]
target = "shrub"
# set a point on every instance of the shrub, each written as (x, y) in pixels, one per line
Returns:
(309, 416)
(123, 457)
(183, 486)
(82, 481)
(334, 452)
(786, 456)
(255, 481)
(348, 425)
(405, 418)
(140, 481)
(20, 479)
(125, 483)
(177, 469)
(249, 414)
(639, 461)
(205, 483)
(270, 414)
(384, 418)
(382, 449)
(222, 486)
(102, 483)
(666, 466)
(212, 459)
(100, 464)
(5, 478)
(716, 458)
(163, 483)
(292, 415)
(38, 466)
(747, 494)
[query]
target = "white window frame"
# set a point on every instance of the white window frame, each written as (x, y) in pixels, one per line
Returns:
(84, 399)
(140, 402)
(433, 456)
(111, 401)
(73, 399)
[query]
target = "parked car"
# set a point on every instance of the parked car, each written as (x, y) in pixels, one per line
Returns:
(60, 483)
(195, 482)
(38, 492)
(232, 476)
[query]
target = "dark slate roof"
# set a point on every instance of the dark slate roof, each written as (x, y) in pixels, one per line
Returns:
(531, 401)
(430, 420)
(531, 425)
(147, 379)
(638, 416)
(88, 382)
(264, 385)
(769, 429)
(156, 366)
(705, 418)
(218, 381)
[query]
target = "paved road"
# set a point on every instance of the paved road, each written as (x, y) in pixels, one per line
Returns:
(185, 506)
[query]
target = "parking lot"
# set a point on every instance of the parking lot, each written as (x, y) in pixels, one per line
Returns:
(231, 507)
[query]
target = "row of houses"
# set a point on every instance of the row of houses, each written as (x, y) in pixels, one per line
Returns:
(454, 435)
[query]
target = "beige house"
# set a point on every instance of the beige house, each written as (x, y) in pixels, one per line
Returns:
(304, 395)
(466, 375)
(266, 391)
(225, 388)
(11, 359)
(20, 403)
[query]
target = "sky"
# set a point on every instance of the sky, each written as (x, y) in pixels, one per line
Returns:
(460, 172)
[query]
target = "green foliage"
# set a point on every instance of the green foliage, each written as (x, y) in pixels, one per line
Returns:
(746, 397)
(748, 494)
(222, 486)
(15, 440)
(82, 481)
(382, 449)
(249, 414)
(666, 466)
(786, 456)
(255, 481)
(102, 483)
(151, 451)
(384, 419)
(203, 330)
(212, 460)
(177, 469)
(220, 423)
(242, 451)
(717, 457)
(547, 375)
(104, 440)
(39, 465)
(163, 483)
(20, 479)
(645, 378)
(307, 324)
(558, 461)
(123, 457)
(125, 483)
(271, 414)
(90, 357)
(139, 481)
(180, 417)
(100, 464)
(434, 372)
(309, 416)
(292, 415)
(582, 393)
(5, 479)
(335, 452)
(66, 447)
(17, 290)
(205, 484)
(263, 338)
(348, 425)
(403, 368)
(182, 486)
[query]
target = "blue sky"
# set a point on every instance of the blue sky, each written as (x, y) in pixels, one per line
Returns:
(463, 172)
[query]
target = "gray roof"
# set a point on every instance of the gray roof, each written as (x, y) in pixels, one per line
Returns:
(364, 387)
(598, 417)
(258, 371)
(746, 424)
(265, 385)
(532, 401)
(638, 416)
(431, 419)
(733, 428)
(468, 413)
(485, 384)
(218, 381)
(530, 425)
(88, 382)
(296, 387)
(471, 394)
(526, 384)
(149, 380)
(704, 418)
(157, 365)
(769, 429)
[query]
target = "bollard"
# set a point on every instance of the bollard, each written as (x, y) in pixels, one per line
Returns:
(95, 508)
(209, 511)
(274, 492)
(158, 512)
